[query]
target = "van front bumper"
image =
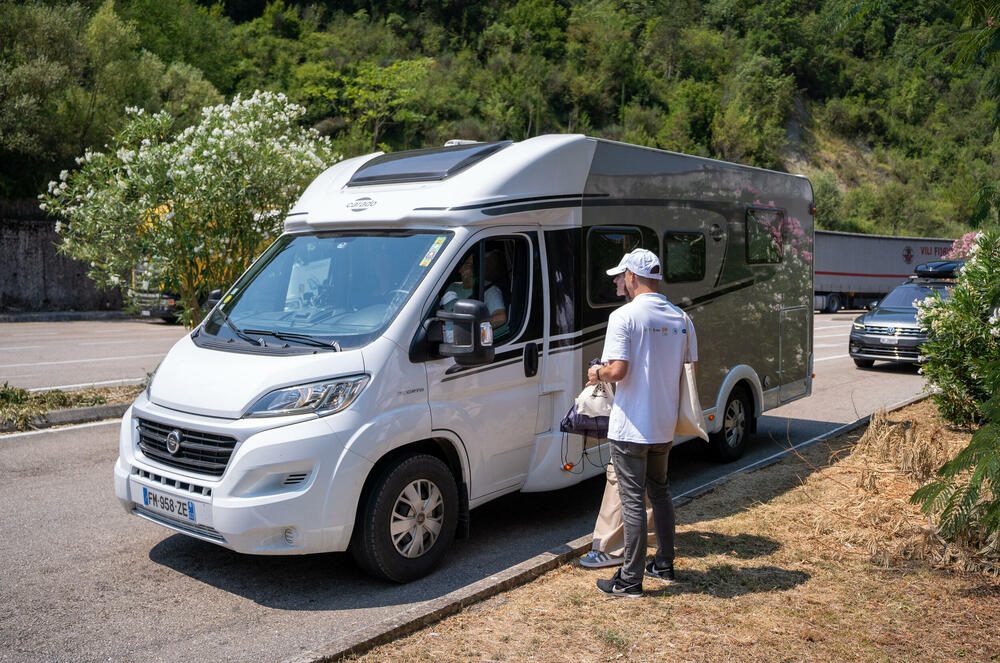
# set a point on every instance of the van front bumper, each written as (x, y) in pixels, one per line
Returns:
(287, 489)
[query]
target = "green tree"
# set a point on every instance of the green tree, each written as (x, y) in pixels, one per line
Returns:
(751, 126)
(196, 208)
(378, 96)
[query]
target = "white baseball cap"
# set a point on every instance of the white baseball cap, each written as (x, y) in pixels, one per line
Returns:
(640, 262)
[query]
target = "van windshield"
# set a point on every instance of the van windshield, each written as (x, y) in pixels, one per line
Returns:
(338, 290)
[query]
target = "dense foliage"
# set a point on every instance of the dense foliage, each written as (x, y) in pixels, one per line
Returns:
(963, 364)
(194, 209)
(894, 137)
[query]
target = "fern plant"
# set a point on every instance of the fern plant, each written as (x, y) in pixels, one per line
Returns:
(965, 496)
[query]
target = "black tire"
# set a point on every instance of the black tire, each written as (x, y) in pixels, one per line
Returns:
(833, 303)
(737, 421)
(426, 479)
(864, 363)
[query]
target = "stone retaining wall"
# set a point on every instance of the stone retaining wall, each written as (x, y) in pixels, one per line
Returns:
(34, 276)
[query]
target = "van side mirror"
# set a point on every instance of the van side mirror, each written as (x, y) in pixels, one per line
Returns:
(466, 333)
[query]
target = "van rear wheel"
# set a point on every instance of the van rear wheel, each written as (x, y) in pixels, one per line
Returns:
(407, 522)
(737, 418)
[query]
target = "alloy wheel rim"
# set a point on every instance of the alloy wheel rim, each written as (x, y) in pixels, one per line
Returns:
(735, 423)
(416, 518)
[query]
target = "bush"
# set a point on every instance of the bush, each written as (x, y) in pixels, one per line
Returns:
(963, 344)
(963, 363)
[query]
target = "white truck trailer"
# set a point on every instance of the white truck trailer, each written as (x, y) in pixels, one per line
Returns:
(852, 270)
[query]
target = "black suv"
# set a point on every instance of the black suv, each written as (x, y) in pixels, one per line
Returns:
(890, 331)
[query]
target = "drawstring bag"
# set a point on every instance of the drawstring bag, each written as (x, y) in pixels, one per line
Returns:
(690, 419)
(589, 414)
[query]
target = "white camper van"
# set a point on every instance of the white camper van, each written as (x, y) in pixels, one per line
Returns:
(404, 352)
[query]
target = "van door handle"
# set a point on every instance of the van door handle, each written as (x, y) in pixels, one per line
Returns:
(530, 359)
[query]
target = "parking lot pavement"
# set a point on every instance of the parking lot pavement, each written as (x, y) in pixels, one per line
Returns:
(75, 354)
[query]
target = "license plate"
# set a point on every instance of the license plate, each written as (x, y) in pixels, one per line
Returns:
(169, 505)
(145, 313)
(888, 340)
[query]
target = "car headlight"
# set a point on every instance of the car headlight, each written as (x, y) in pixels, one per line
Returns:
(858, 325)
(324, 397)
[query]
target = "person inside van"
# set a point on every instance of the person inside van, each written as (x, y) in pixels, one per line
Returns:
(463, 286)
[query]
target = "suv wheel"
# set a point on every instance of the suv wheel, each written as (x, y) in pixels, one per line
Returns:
(407, 523)
(864, 363)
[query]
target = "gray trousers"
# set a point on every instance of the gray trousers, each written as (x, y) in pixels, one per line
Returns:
(642, 471)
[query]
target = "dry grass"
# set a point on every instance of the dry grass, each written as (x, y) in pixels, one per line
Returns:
(818, 558)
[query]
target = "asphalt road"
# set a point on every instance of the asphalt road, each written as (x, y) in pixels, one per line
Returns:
(77, 354)
(83, 581)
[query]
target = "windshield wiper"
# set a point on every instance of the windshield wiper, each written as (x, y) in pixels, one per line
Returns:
(239, 332)
(290, 336)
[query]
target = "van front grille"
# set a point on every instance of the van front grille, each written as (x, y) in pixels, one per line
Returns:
(204, 453)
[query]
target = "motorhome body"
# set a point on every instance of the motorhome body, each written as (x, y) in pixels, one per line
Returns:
(338, 423)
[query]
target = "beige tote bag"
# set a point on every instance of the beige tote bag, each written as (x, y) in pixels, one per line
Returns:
(690, 420)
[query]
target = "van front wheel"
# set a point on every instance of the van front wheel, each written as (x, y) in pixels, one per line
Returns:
(407, 523)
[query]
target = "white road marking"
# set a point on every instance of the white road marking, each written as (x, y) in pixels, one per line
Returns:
(81, 361)
(106, 383)
(837, 357)
(19, 347)
(828, 336)
(57, 430)
(827, 345)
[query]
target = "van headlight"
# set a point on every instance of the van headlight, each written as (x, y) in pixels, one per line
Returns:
(322, 398)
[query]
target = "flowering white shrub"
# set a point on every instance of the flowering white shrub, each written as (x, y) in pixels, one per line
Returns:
(195, 208)
(964, 333)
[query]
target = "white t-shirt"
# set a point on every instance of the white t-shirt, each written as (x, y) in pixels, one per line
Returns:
(650, 334)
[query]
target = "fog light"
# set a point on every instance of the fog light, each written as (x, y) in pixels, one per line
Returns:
(291, 536)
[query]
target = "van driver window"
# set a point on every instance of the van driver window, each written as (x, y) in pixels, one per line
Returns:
(764, 235)
(605, 248)
(684, 256)
(495, 271)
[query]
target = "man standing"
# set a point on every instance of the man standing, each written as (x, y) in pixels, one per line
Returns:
(644, 352)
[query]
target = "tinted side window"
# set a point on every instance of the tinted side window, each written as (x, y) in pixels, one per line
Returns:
(605, 248)
(763, 233)
(684, 256)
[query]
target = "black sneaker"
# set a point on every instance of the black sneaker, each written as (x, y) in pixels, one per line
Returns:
(617, 587)
(664, 573)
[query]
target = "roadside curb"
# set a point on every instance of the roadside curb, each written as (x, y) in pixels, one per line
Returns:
(432, 611)
(75, 415)
(66, 316)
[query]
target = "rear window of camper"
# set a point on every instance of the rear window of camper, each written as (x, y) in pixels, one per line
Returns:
(763, 234)
(605, 248)
(684, 256)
